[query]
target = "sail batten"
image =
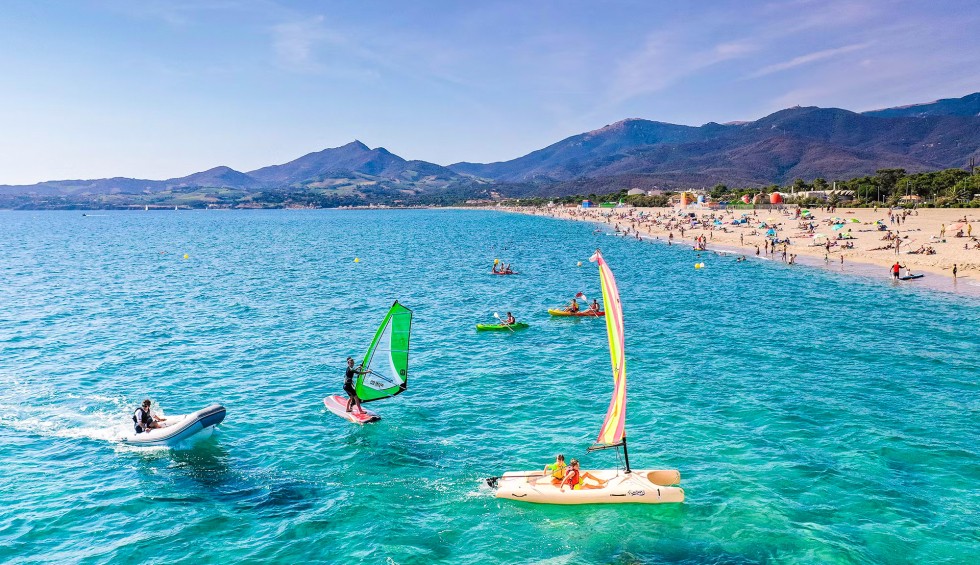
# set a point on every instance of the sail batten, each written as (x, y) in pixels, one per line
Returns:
(385, 364)
(614, 426)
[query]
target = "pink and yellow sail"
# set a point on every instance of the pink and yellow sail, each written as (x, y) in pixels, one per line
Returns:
(614, 427)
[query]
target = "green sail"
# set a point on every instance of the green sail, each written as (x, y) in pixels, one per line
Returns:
(385, 364)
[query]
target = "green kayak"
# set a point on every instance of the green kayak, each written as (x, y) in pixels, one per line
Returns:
(500, 327)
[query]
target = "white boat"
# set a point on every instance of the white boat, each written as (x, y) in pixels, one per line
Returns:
(612, 486)
(176, 429)
(637, 486)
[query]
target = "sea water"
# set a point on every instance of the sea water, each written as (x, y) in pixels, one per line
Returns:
(814, 416)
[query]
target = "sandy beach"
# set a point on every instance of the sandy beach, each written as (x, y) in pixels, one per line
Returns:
(925, 241)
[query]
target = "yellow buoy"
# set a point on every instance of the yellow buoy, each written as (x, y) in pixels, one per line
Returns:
(356, 260)
(186, 256)
(496, 261)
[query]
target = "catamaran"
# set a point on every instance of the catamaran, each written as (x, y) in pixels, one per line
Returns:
(620, 485)
(384, 371)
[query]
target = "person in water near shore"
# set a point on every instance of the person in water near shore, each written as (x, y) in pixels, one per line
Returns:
(144, 420)
(510, 320)
(954, 271)
(575, 478)
(352, 398)
(896, 270)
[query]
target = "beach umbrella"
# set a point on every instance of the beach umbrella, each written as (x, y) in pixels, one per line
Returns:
(771, 232)
(956, 226)
(819, 236)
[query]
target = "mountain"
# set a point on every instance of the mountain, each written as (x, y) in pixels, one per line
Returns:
(793, 143)
(352, 168)
(800, 142)
(967, 106)
(577, 155)
(219, 177)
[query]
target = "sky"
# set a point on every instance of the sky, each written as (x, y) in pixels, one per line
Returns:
(159, 89)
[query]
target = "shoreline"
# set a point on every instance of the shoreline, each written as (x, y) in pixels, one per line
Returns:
(657, 224)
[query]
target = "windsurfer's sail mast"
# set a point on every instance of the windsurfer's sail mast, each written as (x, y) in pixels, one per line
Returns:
(385, 364)
(613, 431)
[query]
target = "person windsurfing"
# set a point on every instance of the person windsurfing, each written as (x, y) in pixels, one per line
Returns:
(349, 376)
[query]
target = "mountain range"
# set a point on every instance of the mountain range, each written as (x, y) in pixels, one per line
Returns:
(800, 142)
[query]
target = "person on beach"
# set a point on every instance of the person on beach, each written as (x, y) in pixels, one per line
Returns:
(352, 399)
(942, 231)
(896, 270)
(144, 420)
(954, 271)
(575, 478)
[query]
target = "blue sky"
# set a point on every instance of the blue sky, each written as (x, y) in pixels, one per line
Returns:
(159, 89)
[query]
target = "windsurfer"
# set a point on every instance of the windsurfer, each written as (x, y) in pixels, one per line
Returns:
(575, 478)
(352, 399)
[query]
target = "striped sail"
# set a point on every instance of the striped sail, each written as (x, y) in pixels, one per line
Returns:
(614, 427)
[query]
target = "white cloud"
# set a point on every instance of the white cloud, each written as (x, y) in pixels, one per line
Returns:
(807, 59)
(295, 43)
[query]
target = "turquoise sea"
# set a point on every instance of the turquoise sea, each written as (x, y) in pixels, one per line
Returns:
(815, 417)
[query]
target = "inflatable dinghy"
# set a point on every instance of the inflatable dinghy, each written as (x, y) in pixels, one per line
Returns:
(338, 405)
(636, 487)
(910, 277)
(178, 428)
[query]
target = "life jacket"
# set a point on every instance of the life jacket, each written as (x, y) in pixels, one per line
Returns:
(576, 477)
(146, 418)
(558, 470)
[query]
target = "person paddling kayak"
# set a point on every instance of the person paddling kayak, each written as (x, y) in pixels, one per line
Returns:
(572, 307)
(352, 398)
(510, 320)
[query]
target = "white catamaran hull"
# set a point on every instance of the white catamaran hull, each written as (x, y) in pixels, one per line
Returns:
(178, 428)
(638, 487)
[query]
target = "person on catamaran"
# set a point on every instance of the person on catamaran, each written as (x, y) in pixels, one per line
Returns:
(595, 305)
(510, 320)
(144, 420)
(573, 307)
(556, 470)
(575, 478)
(352, 398)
